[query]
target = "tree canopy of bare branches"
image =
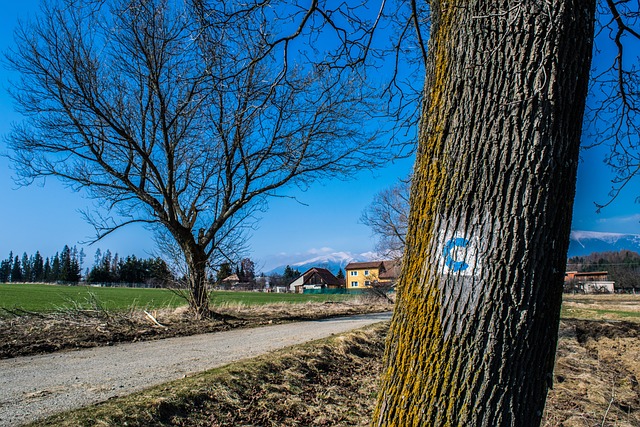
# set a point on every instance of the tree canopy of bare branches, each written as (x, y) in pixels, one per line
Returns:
(187, 116)
(613, 118)
(387, 216)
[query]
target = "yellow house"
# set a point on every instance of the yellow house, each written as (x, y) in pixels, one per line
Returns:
(361, 275)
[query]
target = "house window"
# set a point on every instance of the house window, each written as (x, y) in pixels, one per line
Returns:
(366, 272)
(367, 283)
(354, 284)
(354, 273)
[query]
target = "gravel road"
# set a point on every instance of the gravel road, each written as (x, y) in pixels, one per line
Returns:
(37, 386)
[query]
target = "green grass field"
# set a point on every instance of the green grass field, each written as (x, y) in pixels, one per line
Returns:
(47, 298)
(601, 307)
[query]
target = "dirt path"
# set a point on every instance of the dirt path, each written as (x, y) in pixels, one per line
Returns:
(34, 387)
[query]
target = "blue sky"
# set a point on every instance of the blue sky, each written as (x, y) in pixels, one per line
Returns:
(325, 220)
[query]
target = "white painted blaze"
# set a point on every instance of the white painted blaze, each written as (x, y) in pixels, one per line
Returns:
(459, 254)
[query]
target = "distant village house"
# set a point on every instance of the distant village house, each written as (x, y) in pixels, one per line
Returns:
(316, 279)
(362, 275)
(588, 282)
(234, 283)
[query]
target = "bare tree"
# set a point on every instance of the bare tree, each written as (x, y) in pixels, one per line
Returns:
(474, 332)
(387, 216)
(473, 337)
(183, 117)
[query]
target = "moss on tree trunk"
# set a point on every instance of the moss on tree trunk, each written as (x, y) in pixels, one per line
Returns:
(473, 338)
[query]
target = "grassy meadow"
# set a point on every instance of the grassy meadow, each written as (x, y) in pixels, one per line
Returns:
(314, 384)
(41, 298)
(608, 307)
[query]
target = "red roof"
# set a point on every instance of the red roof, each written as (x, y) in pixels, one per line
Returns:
(361, 265)
(391, 270)
(326, 276)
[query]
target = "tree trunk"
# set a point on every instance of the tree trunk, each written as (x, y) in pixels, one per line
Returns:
(473, 337)
(197, 280)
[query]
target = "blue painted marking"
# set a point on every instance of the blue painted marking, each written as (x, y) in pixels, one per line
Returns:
(450, 262)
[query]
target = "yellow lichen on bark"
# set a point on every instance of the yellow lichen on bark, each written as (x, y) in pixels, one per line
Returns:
(416, 328)
(471, 340)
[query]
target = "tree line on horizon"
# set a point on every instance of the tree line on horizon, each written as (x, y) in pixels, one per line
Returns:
(246, 275)
(623, 266)
(245, 272)
(66, 267)
(108, 268)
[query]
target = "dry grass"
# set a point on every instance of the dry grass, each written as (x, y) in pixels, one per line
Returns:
(333, 382)
(602, 307)
(597, 363)
(596, 375)
(22, 335)
(330, 382)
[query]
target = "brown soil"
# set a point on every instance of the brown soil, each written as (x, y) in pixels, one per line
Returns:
(23, 334)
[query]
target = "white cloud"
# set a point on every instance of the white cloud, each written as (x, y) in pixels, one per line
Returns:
(323, 250)
(628, 219)
(627, 224)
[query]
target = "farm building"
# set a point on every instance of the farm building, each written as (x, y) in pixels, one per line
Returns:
(316, 278)
(588, 282)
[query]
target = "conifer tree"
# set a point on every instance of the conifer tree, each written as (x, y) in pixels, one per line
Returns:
(38, 268)
(5, 270)
(55, 268)
(65, 264)
(223, 272)
(47, 271)
(26, 268)
(159, 272)
(97, 258)
(16, 271)
(290, 274)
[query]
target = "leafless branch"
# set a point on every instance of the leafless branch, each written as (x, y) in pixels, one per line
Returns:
(188, 117)
(387, 217)
(615, 99)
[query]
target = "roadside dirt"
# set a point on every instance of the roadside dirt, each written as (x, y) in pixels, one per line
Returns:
(24, 334)
(334, 383)
(331, 382)
(596, 375)
(596, 383)
(35, 386)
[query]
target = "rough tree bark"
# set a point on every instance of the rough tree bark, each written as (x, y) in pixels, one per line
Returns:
(473, 337)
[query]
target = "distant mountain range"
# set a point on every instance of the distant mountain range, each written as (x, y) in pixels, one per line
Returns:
(332, 262)
(587, 242)
(581, 243)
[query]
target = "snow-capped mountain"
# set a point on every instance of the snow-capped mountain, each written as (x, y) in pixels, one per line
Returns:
(332, 262)
(581, 243)
(587, 242)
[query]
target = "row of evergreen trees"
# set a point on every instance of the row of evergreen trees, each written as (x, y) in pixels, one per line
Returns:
(65, 266)
(109, 268)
